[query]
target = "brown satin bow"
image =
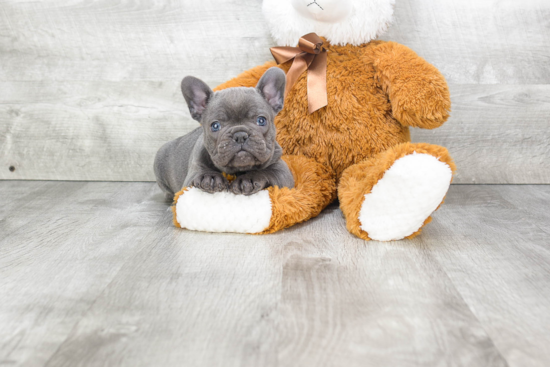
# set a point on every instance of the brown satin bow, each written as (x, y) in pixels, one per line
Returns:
(309, 55)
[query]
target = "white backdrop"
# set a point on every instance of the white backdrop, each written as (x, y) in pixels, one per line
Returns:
(90, 90)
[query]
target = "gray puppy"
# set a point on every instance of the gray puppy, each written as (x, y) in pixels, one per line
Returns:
(236, 137)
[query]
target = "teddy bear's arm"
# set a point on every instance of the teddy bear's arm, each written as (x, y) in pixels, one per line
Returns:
(418, 92)
(248, 78)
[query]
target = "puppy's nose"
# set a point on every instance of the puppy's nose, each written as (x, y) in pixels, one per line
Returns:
(240, 137)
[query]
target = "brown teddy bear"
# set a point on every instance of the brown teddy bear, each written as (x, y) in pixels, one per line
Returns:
(344, 128)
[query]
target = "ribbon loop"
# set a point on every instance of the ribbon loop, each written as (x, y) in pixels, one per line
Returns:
(309, 55)
(311, 43)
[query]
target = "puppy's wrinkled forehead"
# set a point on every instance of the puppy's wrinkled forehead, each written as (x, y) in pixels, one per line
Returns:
(237, 104)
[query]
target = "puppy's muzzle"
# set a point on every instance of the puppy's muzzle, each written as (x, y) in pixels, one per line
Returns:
(242, 147)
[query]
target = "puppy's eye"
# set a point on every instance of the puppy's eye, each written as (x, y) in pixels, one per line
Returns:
(215, 126)
(261, 121)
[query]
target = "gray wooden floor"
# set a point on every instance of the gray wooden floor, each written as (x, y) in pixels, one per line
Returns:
(94, 274)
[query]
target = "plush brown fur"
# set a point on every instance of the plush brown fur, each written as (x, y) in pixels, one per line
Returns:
(314, 188)
(375, 91)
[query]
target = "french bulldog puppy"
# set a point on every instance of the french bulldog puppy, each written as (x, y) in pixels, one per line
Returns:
(236, 137)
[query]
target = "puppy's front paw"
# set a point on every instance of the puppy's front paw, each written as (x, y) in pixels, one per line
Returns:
(210, 182)
(248, 184)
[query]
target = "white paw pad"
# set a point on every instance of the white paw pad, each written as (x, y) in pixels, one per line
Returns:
(223, 211)
(411, 189)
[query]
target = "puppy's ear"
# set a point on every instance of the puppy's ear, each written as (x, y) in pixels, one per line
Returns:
(196, 94)
(272, 87)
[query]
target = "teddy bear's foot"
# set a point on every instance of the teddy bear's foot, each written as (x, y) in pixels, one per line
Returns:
(267, 211)
(392, 195)
(198, 210)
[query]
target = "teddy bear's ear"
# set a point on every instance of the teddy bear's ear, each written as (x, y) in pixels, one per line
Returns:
(272, 88)
(196, 94)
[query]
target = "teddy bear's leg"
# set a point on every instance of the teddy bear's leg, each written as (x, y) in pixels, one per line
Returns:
(264, 212)
(392, 195)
